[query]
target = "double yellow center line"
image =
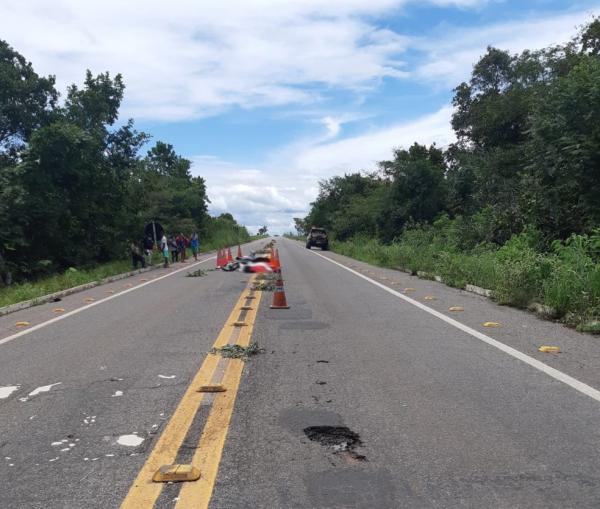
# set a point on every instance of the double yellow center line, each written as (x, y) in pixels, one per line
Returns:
(144, 492)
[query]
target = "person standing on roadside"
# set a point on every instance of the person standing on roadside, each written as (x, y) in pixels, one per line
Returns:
(173, 249)
(195, 245)
(136, 256)
(164, 247)
(180, 241)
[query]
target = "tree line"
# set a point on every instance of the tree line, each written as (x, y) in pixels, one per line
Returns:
(75, 186)
(526, 159)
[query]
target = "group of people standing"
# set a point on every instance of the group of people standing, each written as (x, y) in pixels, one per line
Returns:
(177, 247)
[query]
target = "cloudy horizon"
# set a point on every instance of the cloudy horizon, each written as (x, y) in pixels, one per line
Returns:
(269, 98)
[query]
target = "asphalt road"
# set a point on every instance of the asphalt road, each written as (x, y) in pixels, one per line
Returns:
(360, 399)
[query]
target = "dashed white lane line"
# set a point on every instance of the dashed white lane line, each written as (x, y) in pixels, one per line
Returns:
(534, 363)
(98, 302)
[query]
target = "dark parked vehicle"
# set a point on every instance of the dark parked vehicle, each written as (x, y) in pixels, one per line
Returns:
(317, 237)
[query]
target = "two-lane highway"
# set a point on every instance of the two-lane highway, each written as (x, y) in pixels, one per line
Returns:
(360, 398)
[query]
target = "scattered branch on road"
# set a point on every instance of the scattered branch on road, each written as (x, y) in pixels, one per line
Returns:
(196, 273)
(238, 351)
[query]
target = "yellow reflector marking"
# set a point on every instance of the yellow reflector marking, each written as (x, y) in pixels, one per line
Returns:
(409, 290)
(58, 310)
(549, 349)
(22, 324)
(88, 299)
(212, 388)
(429, 297)
(492, 324)
(176, 473)
(456, 308)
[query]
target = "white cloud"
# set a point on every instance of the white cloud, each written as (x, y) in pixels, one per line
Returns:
(451, 56)
(185, 59)
(287, 182)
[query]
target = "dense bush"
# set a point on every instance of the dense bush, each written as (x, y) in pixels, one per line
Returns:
(567, 278)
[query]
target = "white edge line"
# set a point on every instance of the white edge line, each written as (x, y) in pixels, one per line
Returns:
(96, 303)
(534, 363)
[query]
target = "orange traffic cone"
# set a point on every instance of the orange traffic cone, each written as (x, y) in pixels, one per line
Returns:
(279, 301)
(275, 262)
(219, 258)
(239, 255)
(229, 257)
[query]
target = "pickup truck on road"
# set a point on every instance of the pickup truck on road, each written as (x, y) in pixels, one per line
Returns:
(317, 237)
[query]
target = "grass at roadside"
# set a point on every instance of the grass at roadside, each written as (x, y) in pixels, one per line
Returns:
(68, 279)
(74, 277)
(566, 279)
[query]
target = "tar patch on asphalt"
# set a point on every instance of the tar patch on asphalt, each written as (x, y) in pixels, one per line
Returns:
(339, 439)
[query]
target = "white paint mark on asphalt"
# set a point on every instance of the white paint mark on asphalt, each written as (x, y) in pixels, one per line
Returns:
(534, 363)
(166, 376)
(56, 444)
(117, 394)
(32, 417)
(130, 440)
(109, 455)
(65, 449)
(43, 388)
(98, 302)
(53, 459)
(6, 391)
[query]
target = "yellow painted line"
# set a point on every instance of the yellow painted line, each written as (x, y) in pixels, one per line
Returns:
(143, 493)
(207, 457)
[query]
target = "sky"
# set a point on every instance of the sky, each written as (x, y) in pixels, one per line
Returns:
(268, 97)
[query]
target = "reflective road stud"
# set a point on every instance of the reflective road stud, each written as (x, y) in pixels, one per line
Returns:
(549, 349)
(58, 310)
(22, 324)
(176, 473)
(492, 324)
(212, 388)
(429, 297)
(456, 308)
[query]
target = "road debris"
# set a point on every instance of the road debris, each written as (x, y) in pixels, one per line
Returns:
(196, 273)
(238, 351)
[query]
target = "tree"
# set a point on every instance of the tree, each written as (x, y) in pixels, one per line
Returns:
(262, 230)
(417, 192)
(26, 101)
(300, 225)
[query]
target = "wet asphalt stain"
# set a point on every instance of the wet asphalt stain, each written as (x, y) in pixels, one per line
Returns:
(296, 419)
(353, 487)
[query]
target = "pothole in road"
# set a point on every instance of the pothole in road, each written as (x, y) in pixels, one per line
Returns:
(340, 439)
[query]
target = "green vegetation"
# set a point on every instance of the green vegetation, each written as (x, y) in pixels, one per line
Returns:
(238, 351)
(72, 277)
(512, 206)
(75, 188)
